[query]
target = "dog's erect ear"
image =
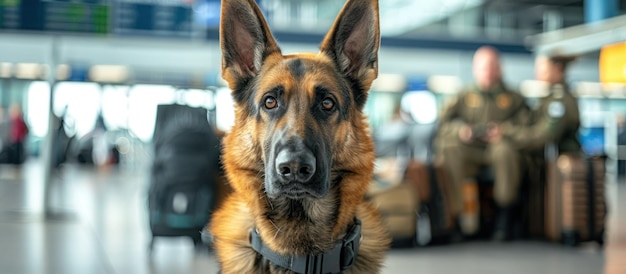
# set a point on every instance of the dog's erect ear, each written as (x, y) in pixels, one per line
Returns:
(353, 41)
(245, 39)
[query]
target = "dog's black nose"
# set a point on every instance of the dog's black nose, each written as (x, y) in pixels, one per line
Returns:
(298, 165)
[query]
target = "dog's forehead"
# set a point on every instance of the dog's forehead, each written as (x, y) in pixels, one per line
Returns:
(308, 67)
(301, 72)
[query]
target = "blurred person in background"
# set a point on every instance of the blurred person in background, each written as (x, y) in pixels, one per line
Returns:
(100, 144)
(61, 140)
(18, 133)
(5, 136)
(556, 120)
(462, 146)
(392, 138)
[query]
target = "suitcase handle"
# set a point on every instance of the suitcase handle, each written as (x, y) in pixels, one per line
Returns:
(591, 197)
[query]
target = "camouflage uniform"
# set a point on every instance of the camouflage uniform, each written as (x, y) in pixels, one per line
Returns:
(477, 109)
(556, 120)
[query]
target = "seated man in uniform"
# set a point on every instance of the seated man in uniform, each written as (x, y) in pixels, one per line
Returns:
(556, 120)
(462, 142)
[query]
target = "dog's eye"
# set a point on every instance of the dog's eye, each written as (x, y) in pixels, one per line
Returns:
(328, 104)
(270, 102)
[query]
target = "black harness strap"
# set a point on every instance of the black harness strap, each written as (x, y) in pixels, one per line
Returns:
(340, 258)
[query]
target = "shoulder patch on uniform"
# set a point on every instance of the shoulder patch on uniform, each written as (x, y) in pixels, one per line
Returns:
(556, 109)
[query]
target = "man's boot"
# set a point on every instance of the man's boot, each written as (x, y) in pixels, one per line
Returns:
(502, 227)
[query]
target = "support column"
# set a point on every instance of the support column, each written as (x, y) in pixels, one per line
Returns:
(48, 155)
(597, 10)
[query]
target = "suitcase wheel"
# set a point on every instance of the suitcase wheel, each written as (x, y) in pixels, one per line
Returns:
(600, 239)
(570, 238)
(200, 245)
(197, 241)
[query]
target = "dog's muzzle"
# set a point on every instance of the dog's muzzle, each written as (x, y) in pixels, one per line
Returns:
(295, 172)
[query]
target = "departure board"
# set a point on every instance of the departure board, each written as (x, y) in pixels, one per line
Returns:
(164, 18)
(84, 16)
(171, 18)
(10, 14)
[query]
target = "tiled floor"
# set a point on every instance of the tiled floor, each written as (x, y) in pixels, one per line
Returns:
(103, 229)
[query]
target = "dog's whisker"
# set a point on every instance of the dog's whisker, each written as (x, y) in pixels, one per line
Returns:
(276, 234)
(276, 227)
(269, 202)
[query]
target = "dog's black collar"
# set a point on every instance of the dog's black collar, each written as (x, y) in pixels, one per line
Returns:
(338, 259)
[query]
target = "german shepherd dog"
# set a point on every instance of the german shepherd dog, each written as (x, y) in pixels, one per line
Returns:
(300, 156)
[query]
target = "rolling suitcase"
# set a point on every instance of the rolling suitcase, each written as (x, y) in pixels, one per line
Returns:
(396, 201)
(575, 199)
(434, 220)
(183, 184)
(398, 206)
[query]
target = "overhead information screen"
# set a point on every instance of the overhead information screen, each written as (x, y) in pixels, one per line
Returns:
(10, 14)
(90, 16)
(165, 18)
(83, 16)
(154, 18)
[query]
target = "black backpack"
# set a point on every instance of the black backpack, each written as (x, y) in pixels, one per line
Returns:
(184, 172)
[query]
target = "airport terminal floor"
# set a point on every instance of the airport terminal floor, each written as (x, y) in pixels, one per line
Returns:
(101, 227)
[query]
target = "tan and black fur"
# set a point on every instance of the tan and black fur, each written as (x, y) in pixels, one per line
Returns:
(306, 108)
